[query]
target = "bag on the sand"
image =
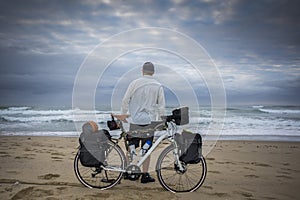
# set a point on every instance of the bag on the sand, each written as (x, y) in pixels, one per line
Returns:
(93, 147)
(190, 147)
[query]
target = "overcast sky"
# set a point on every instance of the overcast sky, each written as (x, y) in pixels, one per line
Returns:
(254, 44)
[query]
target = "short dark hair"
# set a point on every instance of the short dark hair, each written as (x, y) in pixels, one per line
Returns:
(148, 68)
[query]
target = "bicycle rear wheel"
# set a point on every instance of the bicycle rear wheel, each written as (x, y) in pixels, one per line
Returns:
(97, 177)
(174, 180)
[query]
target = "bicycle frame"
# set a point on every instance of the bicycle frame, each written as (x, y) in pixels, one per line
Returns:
(149, 152)
(168, 134)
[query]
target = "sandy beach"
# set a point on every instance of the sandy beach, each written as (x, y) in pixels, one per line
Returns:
(42, 168)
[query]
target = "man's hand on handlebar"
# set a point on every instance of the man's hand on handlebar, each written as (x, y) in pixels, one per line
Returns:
(121, 117)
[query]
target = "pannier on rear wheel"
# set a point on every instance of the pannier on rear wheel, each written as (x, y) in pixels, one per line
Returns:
(92, 148)
(97, 151)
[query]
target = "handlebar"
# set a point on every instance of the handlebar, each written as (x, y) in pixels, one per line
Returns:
(169, 124)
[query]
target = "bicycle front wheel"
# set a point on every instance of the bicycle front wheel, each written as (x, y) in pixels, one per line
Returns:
(97, 177)
(175, 180)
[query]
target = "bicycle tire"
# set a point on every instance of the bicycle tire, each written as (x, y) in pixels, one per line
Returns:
(99, 178)
(174, 181)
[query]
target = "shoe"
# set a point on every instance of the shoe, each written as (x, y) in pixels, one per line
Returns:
(146, 178)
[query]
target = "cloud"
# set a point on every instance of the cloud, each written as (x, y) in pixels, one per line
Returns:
(254, 44)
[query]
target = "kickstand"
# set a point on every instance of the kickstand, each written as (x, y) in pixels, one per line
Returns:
(107, 180)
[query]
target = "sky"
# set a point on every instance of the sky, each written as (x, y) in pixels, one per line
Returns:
(254, 45)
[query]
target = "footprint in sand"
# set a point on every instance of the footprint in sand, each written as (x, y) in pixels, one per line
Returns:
(57, 154)
(251, 176)
(284, 172)
(244, 194)
(227, 162)
(286, 164)
(284, 176)
(56, 158)
(214, 172)
(260, 164)
(208, 187)
(220, 194)
(12, 172)
(269, 198)
(4, 154)
(49, 176)
(23, 157)
(32, 193)
(249, 168)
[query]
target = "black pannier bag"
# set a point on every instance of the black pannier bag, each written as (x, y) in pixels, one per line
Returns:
(180, 116)
(86, 157)
(112, 124)
(92, 148)
(190, 147)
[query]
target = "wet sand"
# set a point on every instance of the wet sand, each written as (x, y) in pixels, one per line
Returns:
(42, 168)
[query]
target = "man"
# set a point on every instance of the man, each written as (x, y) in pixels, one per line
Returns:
(144, 101)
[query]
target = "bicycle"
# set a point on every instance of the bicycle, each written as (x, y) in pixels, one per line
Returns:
(173, 174)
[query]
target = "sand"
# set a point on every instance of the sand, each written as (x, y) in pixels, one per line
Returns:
(42, 168)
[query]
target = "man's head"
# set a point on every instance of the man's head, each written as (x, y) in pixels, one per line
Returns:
(148, 68)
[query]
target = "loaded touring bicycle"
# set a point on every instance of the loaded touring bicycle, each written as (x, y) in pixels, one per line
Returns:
(101, 162)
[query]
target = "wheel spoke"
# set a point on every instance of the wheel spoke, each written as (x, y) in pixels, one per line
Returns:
(171, 178)
(97, 177)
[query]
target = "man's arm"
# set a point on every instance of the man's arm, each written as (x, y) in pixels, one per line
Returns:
(126, 99)
(161, 102)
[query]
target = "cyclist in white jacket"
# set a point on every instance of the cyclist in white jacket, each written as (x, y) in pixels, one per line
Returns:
(144, 101)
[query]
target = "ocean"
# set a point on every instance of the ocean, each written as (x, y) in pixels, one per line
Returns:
(274, 123)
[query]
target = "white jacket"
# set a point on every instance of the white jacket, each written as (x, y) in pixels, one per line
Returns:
(144, 100)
